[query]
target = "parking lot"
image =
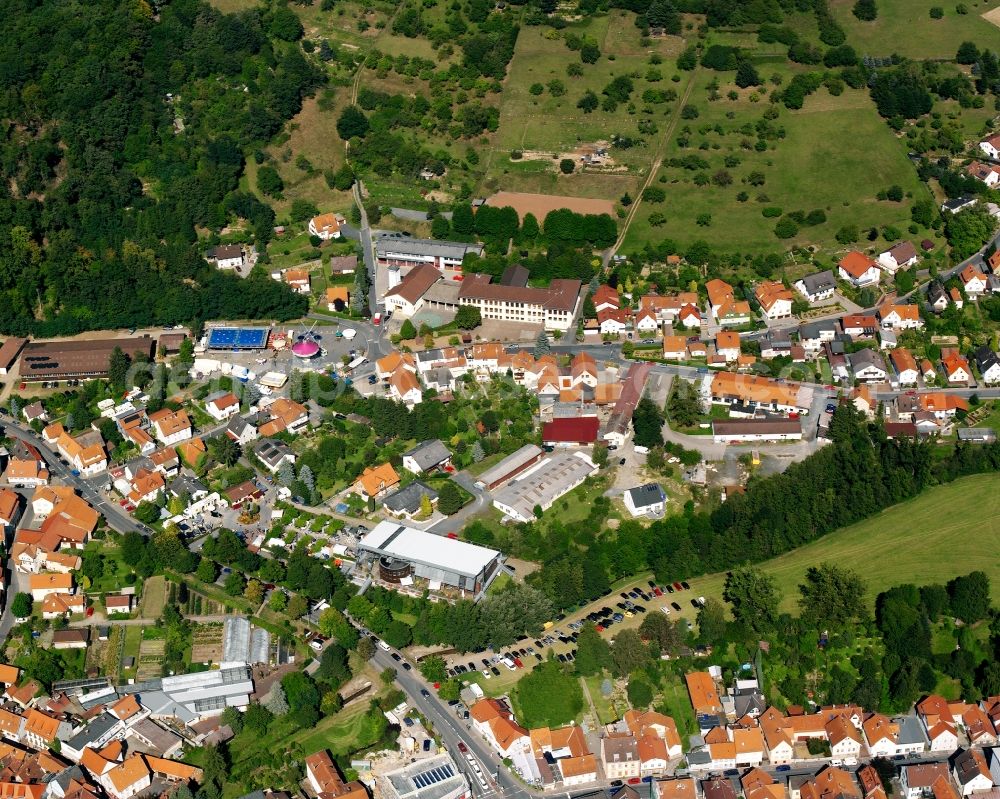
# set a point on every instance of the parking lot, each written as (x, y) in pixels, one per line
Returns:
(623, 607)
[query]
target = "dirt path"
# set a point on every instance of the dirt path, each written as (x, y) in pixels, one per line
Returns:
(655, 166)
(590, 703)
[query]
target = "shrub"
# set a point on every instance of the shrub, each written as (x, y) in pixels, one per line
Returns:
(771, 212)
(786, 228)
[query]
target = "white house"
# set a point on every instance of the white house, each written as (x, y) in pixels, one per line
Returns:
(727, 345)
(817, 287)
(228, 256)
(971, 772)
(171, 427)
(858, 269)
(222, 405)
(645, 500)
(646, 323)
(613, 321)
(900, 317)
(868, 366)
(973, 281)
(987, 173)
(325, 226)
(989, 365)
(899, 256)
(880, 735)
(942, 737)
(991, 146)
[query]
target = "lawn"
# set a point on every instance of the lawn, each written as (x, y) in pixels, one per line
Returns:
(939, 535)
(154, 597)
(813, 166)
(905, 27)
(547, 124)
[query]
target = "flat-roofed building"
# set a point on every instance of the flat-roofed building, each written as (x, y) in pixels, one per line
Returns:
(542, 484)
(405, 552)
(430, 778)
(732, 431)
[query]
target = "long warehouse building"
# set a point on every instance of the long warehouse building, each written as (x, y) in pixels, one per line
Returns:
(403, 553)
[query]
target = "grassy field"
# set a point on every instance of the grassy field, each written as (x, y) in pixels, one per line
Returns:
(798, 170)
(905, 27)
(945, 532)
(547, 123)
(154, 597)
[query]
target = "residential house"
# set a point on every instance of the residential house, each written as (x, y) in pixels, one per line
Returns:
(758, 784)
(41, 585)
(146, 487)
(956, 298)
(988, 364)
(703, 693)
(867, 366)
(724, 306)
(620, 756)
(406, 503)
(273, 452)
(987, 173)
(991, 145)
(677, 788)
(286, 414)
(325, 226)
(241, 430)
(775, 344)
(927, 370)
(227, 256)
(900, 317)
(818, 286)
(325, 779)
(689, 316)
(958, 204)
(756, 391)
(34, 411)
(78, 638)
(171, 427)
(376, 482)
(493, 719)
(566, 750)
(813, 335)
(33, 552)
(395, 361)
(979, 727)
(933, 711)
(749, 745)
(118, 603)
(942, 406)
(652, 723)
(84, 452)
(338, 298)
(245, 492)
(646, 323)
(718, 787)
(971, 772)
(614, 321)
(165, 461)
(937, 297)
(871, 782)
(774, 299)
(905, 366)
(405, 387)
(61, 606)
(831, 783)
(858, 269)
(956, 369)
(727, 345)
(899, 256)
(674, 348)
(10, 508)
(427, 456)
(671, 309)
(605, 297)
(973, 281)
(40, 729)
(645, 500)
(860, 325)
(881, 735)
(917, 780)
(845, 739)
(222, 405)
(65, 515)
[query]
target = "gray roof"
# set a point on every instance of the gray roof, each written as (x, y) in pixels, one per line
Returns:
(237, 425)
(646, 495)
(440, 249)
(935, 291)
(819, 281)
(408, 498)
(429, 454)
(94, 731)
(510, 464)
(186, 485)
(976, 434)
(272, 451)
(958, 203)
(813, 329)
(431, 778)
(236, 640)
(778, 339)
(910, 730)
(864, 358)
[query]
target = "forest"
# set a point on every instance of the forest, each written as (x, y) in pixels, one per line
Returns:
(124, 132)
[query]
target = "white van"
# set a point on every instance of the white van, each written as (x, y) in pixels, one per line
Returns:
(383, 645)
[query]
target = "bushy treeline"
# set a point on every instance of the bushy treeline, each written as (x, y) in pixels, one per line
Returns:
(101, 195)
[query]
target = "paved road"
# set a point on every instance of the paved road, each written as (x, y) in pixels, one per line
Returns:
(89, 489)
(455, 522)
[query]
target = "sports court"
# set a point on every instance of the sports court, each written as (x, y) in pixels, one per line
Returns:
(237, 338)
